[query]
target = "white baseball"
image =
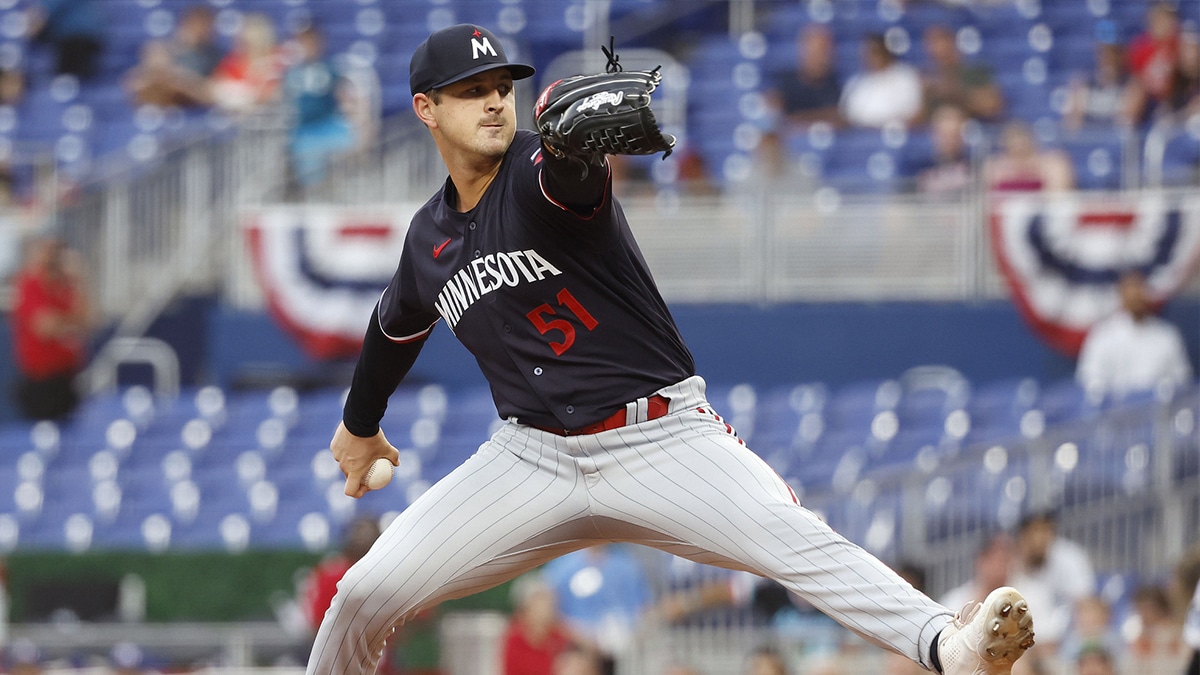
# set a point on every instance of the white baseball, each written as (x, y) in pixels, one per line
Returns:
(378, 474)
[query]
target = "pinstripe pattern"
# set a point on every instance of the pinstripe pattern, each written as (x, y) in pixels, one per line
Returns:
(682, 483)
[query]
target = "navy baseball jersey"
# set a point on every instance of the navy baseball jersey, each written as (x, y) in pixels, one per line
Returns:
(559, 308)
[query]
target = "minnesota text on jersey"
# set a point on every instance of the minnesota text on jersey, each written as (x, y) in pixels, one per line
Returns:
(486, 274)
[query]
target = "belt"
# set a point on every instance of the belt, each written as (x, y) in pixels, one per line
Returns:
(642, 410)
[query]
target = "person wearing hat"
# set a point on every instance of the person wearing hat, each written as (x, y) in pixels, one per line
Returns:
(528, 259)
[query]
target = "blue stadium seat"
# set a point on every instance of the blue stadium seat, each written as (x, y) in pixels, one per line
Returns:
(852, 407)
(1097, 161)
(997, 408)
(1181, 159)
(1063, 400)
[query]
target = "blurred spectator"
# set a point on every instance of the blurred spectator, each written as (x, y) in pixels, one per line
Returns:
(811, 91)
(176, 72)
(766, 661)
(886, 91)
(1153, 54)
(681, 670)
(602, 592)
(12, 86)
(321, 585)
(1057, 567)
(947, 169)
(535, 635)
(826, 664)
(158, 80)
(73, 28)
(248, 77)
(1095, 659)
(702, 592)
(11, 224)
(1091, 625)
(1022, 166)
(1105, 97)
(578, 661)
(1132, 350)
(993, 568)
(694, 176)
(318, 96)
(1185, 79)
(195, 47)
(1156, 636)
(50, 326)
(797, 97)
(949, 81)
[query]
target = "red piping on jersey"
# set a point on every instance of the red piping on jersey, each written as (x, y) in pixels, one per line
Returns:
(564, 207)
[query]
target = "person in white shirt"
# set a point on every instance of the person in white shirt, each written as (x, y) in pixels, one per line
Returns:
(1057, 567)
(887, 91)
(1133, 350)
(993, 569)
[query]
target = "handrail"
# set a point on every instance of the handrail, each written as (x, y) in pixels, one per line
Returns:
(102, 373)
(236, 643)
(1155, 151)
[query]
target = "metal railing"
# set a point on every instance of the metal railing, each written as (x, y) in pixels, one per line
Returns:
(228, 648)
(1123, 482)
(172, 225)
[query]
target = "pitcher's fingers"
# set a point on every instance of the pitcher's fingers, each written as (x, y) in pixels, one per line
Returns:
(354, 486)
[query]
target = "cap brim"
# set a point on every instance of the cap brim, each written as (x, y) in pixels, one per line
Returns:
(519, 71)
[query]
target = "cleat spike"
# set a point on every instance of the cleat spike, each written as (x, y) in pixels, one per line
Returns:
(990, 639)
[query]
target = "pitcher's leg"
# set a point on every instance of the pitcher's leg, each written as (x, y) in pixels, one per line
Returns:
(695, 482)
(504, 511)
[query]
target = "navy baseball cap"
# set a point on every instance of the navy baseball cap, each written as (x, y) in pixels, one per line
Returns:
(458, 52)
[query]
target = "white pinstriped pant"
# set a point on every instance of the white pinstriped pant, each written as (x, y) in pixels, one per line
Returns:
(681, 483)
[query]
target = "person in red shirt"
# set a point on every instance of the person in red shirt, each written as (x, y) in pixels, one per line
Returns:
(321, 585)
(536, 636)
(1153, 54)
(249, 75)
(50, 322)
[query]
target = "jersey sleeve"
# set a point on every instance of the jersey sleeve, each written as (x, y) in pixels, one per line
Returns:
(567, 185)
(382, 364)
(395, 334)
(403, 317)
(552, 186)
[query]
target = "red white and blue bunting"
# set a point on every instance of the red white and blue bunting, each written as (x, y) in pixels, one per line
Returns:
(322, 268)
(1062, 255)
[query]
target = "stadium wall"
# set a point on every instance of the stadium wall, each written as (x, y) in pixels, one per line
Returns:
(831, 342)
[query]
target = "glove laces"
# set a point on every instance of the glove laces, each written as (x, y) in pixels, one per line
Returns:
(614, 60)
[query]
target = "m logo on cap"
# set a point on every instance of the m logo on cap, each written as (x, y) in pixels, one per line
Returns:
(483, 46)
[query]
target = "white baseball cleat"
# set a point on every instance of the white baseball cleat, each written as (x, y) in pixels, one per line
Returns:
(988, 639)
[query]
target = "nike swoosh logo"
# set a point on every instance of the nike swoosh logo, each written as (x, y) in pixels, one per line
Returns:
(437, 250)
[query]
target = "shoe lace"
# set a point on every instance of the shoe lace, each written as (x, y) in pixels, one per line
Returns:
(967, 614)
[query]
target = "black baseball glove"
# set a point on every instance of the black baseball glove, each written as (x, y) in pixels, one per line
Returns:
(588, 116)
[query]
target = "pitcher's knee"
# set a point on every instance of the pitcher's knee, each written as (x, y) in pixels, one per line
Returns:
(371, 601)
